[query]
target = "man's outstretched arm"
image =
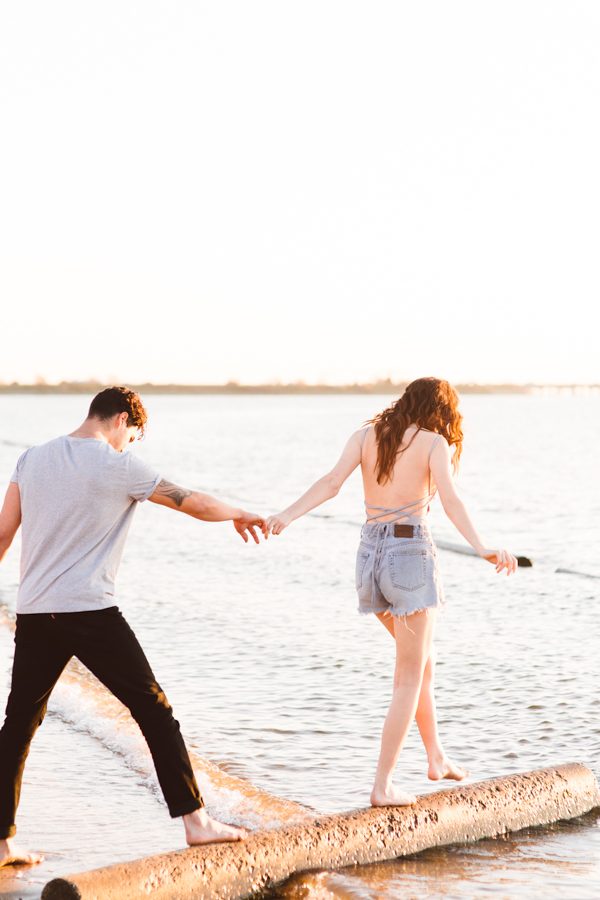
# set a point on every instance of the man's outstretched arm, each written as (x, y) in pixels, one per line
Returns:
(10, 518)
(207, 508)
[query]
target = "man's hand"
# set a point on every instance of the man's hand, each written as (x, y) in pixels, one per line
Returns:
(248, 522)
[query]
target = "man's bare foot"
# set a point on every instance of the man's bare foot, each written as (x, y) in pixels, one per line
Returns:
(443, 768)
(391, 796)
(11, 856)
(200, 828)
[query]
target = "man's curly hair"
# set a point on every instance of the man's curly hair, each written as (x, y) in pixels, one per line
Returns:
(114, 400)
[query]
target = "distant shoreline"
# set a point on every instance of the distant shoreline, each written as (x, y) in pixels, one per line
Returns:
(378, 387)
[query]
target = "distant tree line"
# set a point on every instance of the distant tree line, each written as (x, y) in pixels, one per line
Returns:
(385, 386)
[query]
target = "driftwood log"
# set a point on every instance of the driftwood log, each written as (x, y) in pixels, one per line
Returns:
(461, 814)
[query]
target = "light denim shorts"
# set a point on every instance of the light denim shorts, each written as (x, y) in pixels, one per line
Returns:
(397, 574)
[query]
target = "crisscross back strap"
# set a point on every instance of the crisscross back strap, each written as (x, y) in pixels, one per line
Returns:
(399, 512)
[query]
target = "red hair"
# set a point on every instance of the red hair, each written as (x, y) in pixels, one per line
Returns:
(429, 403)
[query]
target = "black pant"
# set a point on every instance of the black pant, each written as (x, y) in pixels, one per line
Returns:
(105, 644)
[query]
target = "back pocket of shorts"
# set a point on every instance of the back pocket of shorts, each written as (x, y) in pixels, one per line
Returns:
(407, 569)
(361, 561)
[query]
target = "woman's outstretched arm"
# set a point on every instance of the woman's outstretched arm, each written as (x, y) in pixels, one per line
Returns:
(441, 469)
(325, 488)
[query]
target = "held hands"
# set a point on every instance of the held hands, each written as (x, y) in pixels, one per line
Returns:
(248, 522)
(502, 559)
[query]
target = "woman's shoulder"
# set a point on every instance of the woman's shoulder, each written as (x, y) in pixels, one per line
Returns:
(361, 434)
(435, 439)
(434, 434)
(362, 440)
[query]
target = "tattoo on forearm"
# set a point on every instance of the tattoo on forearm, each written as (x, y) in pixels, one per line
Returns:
(173, 491)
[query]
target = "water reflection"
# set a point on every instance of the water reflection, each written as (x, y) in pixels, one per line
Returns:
(554, 861)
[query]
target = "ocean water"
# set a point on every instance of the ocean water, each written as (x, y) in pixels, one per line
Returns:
(281, 687)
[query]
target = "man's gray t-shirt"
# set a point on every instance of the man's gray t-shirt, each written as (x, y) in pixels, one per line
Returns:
(78, 497)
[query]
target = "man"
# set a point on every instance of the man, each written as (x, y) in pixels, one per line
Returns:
(75, 497)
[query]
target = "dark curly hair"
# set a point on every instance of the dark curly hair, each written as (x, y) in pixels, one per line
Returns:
(428, 403)
(114, 400)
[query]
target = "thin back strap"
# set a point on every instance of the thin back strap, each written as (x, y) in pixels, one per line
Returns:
(362, 439)
(434, 443)
(400, 511)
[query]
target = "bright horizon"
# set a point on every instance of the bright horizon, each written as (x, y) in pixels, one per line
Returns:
(330, 192)
(42, 383)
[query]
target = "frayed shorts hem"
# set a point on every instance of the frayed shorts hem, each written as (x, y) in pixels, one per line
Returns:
(399, 614)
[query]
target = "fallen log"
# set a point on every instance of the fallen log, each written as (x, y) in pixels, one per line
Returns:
(230, 871)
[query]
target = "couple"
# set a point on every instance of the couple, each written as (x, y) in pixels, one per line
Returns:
(75, 497)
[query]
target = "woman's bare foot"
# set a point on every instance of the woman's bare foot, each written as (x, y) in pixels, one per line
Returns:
(391, 796)
(11, 856)
(200, 828)
(443, 768)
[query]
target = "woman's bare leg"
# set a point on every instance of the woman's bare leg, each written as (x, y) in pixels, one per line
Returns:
(413, 644)
(439, 764)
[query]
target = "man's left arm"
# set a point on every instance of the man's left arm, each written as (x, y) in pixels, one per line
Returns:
(145, 484)
(10, 518)
(207, 508)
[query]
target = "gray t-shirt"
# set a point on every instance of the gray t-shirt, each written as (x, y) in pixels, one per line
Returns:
(78, 496)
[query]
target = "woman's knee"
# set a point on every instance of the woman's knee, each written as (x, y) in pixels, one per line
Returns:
(408, 674)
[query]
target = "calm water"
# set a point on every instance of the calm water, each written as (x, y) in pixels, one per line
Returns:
(277, 680)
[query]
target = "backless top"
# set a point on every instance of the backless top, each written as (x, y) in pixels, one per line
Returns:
(409, 510)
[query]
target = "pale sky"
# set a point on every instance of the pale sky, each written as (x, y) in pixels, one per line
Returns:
(327, 191)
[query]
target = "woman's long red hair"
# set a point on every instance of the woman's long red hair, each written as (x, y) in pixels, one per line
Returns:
(428, 403)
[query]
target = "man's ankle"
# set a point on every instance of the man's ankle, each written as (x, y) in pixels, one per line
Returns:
(197, 815)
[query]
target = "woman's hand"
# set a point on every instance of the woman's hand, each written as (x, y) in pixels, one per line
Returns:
(278, 522)
(502, 559)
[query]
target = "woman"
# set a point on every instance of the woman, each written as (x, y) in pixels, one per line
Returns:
(406, 453)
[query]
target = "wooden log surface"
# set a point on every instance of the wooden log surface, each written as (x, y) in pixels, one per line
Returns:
(229, 871)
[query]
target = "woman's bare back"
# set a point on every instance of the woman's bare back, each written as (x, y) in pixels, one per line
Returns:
(410, 481)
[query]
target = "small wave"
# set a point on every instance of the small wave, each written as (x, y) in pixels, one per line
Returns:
(85, 705)
(576, 572)
(18, 444)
